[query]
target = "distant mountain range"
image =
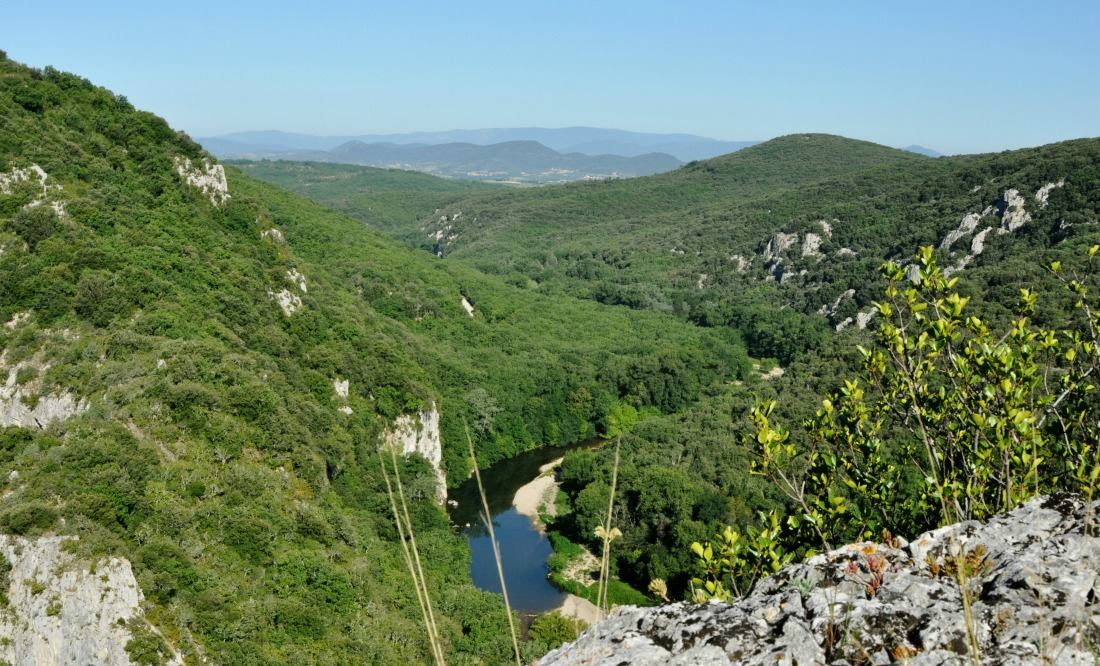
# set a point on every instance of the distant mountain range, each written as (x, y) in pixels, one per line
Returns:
(515, 161)
(584, 140)
(921, 150)
(524, 154)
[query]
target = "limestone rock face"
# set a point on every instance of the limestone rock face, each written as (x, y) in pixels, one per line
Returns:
(1013, 213)
(1035, 593)
(61, 611)
(48, 194)
(419, 433)
(207, 178)
(777, 245)
(24, 405)
(1043, 193)
(289, 302)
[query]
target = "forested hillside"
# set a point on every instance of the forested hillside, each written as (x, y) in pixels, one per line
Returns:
(781, 242)
(390, 200)
(201, 368)
(800, 222)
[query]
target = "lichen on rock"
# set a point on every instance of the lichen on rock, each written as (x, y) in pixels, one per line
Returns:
(1033, 584)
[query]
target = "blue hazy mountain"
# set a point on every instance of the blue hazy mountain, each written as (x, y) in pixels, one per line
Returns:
(585, 140)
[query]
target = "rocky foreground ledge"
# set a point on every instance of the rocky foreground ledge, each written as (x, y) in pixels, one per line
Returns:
(1033, 576)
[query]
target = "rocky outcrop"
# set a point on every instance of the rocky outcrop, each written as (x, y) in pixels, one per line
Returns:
(419, 434)
(297, 279)
(777, 245)
(48, 193)
(342, 388)
(207, 178)
(1042, 195)
(61, 611)
(829, 311)
(966, 227)
(22, 403)
(33, 173)
(1013, 213)
(289, 302)
(1033, 580)
(273, 234)
(811, 246)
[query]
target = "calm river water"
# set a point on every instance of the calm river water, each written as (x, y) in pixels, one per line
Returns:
(524, 550)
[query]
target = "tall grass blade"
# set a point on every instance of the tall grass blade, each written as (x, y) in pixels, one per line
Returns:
(486, 515)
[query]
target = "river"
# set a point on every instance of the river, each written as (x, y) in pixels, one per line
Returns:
(524, 548)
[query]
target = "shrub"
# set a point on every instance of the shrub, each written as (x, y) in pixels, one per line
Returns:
(984, 420)
(553, 629)
(28, 517)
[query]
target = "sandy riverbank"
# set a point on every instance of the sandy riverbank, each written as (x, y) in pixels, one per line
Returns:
(580, 608)
(540, 491)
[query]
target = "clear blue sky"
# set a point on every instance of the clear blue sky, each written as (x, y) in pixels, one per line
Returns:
(960, 76)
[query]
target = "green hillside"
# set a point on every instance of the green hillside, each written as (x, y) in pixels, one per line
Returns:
(390, 200)
(781, 242)
(795, 222)
(703, 232)
(173, 351)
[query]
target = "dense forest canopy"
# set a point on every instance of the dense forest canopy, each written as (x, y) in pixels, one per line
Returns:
(201, 333)
(201, 364)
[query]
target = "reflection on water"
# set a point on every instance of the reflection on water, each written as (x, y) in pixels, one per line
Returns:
(523, 548)
(523, 551)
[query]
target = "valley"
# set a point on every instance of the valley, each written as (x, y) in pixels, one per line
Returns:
(243, 401)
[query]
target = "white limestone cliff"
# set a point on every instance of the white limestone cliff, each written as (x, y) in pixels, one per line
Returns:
(273, 234)
(342, 388)
(207, 178)
(419, 434)
(34, 173)
(829, 311)
(1013, 215)
(61, 611)
(811, 246)
(22, 404)
(297, 279)
(1043, 193)
(290, 303)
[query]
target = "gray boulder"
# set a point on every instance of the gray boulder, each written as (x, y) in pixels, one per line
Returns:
(1032, 579)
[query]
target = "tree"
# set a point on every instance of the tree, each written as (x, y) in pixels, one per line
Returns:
(983, 421)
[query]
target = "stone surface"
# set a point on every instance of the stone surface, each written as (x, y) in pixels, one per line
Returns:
(811, 246)
(297, 279)
(34, 174)
(207, 178)
(1042, 195)
(290, 303)
(274, 234)
(829, 311)
(777, 245)
(1034, 590)
(1013, 213)
(61, 610)
(419, 434)
(24, 404)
